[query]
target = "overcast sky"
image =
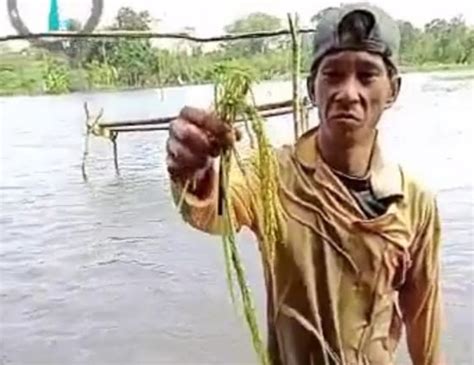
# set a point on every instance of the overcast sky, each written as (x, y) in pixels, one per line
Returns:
(210, 16)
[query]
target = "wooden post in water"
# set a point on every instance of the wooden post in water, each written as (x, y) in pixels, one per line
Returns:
(113, 139)
(84, 156)
(92, 127)
(86, 143)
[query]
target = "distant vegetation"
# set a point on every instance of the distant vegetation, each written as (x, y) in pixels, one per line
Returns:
(120, 63)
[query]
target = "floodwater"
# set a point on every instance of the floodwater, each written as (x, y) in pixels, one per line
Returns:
(105, 272)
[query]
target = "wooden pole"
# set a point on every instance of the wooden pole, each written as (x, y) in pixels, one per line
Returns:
(145, 128)
(84, 156)
(167, 120)
(148, 35)
(115, 149)
(86, 144)
(296, 60)
(111, 130)
(90, 126)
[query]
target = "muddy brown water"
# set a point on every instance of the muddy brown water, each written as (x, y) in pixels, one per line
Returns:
(106, 272)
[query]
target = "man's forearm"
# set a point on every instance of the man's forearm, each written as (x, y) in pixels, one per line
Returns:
(200, 203)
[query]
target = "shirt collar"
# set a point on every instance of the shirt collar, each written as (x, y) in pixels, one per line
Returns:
(385, 177)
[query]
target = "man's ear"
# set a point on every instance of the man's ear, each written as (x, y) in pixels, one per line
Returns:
(395, 85)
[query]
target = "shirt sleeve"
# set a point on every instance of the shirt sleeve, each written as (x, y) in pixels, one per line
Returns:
(202, 214)
(420, 297)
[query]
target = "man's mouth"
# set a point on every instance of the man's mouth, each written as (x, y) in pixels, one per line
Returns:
(345, 117)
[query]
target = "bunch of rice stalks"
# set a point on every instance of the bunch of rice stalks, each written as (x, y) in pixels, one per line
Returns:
(233, 100)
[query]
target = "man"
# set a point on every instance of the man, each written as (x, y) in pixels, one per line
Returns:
(359, 256)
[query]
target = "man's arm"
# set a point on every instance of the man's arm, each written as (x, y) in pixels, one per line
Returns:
(420, 297)
(200, 208)
(196, 139)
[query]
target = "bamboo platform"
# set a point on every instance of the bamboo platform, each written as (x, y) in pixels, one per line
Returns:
(97, 126)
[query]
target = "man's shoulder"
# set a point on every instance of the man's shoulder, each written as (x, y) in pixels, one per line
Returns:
(418, 193)
(285, 156)
(415, 185)
(284, 151)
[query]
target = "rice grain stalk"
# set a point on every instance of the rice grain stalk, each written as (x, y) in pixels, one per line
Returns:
(233, 89)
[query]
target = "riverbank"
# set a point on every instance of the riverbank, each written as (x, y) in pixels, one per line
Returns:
(432, 67)
(32, 76)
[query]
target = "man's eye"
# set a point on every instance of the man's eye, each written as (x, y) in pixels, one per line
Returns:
(332, 74)
(367, 76)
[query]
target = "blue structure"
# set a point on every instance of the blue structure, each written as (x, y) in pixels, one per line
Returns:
(53, 23)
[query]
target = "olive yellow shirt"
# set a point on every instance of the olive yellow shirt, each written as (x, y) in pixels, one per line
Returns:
(343, 285)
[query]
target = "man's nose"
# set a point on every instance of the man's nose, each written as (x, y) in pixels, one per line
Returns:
(348, 92)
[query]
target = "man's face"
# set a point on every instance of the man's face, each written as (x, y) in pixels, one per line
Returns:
(352, 89)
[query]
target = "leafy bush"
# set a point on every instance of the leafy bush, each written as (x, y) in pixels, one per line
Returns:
(56, 76)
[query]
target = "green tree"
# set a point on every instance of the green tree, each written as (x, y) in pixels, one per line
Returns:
(436, 31)
(307, 43)
(409, 39)
(450, 40)
(132, 60)
(129, 19)
(458, 33)
(252, 23)
(468, 45)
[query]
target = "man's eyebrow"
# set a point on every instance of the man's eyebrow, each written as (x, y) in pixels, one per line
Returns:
(335, 62)
(368, 64)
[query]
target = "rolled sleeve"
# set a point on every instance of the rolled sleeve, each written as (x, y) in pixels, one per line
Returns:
(202, 213)
(420, 297)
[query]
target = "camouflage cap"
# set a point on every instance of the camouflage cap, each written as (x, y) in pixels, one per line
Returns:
(382, 35)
